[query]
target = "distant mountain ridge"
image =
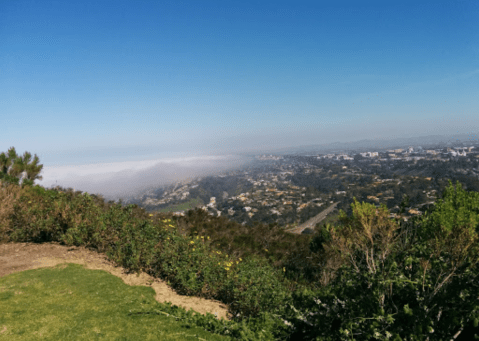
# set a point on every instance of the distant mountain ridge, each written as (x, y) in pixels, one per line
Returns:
(378, 143)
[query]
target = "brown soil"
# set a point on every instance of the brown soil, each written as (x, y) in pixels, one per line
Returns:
(15, 257)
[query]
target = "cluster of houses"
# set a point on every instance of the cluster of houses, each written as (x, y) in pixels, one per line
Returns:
(406, 154)
(265, 192)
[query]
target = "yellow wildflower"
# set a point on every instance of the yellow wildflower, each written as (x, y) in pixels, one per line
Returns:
(194, 249)
(227, 269)
(192, 242)
(284, 269)
(151, 215)
(240, 259)
(208, 237)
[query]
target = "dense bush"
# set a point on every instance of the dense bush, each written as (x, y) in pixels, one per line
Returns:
(418, 281)
(283, 250)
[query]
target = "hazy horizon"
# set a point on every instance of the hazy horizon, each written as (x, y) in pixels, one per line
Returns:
(128, 175)
(123, 83)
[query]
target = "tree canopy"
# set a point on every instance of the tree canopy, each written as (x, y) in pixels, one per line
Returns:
(13, 167)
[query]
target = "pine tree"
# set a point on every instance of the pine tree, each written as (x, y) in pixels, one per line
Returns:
(12, 166)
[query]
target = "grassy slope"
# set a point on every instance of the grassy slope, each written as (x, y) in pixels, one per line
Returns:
(191, 204)
(69, 302)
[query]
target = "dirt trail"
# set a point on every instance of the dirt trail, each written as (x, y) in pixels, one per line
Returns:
(15, 257)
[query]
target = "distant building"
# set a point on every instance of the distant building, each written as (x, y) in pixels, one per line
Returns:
(369, 154)
(274, 211)
(302, 206)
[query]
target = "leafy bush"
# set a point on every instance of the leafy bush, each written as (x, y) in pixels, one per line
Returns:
(418, 281)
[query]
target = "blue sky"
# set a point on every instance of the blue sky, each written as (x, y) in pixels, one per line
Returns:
(90, 81)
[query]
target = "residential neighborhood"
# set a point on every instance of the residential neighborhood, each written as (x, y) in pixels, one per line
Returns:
(290, 189)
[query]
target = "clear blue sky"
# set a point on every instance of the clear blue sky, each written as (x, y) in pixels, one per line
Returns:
(118, 77)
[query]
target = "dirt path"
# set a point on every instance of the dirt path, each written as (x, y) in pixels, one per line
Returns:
(15, 257)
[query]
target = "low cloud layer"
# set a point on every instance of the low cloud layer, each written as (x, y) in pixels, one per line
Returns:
(116, 180)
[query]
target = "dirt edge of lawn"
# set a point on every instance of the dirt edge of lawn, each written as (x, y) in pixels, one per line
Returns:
(15, 257)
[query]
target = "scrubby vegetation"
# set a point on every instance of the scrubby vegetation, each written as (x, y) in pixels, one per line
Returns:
(367, 277)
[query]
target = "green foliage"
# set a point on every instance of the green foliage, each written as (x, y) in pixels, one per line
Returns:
(271, 242)
(12, 165)
(413, 282)
(255, 287)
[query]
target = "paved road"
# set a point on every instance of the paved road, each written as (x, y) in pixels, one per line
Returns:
(311, 223)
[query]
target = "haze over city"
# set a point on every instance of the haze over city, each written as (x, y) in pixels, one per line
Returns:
(129, 94)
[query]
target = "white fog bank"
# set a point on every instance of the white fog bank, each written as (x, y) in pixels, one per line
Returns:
(116, 180)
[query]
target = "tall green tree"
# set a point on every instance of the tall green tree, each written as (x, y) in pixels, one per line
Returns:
(13, 166)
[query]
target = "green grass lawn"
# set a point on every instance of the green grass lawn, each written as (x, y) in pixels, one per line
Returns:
(191, 204)
(69, 302)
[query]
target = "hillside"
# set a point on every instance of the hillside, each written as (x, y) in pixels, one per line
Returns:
(364, 275)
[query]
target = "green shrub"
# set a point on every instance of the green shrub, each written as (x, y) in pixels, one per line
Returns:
(417, 281)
